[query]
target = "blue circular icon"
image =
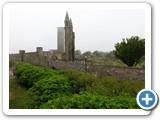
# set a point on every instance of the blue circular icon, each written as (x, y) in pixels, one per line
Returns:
(147, 99)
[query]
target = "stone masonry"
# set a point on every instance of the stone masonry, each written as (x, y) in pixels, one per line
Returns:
(69, 39)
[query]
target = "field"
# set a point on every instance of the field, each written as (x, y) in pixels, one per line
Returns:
(35, 87)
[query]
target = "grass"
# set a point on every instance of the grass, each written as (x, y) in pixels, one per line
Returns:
(111, 62)
(18, 95)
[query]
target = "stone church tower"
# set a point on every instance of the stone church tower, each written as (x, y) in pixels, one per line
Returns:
(69, 39)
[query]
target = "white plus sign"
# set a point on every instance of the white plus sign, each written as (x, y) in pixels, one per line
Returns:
(147, 99)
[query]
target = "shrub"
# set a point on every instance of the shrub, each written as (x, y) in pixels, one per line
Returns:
(110, 86)
(79, 81)
(73, 89)
(28, 74)
(132, 87)
(48, 89)
(11, 64)
(85, 82)
(20, 67)
(90, 101)
(72, 74)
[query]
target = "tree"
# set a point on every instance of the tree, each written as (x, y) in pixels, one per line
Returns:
(131, 50)
(96, 53)
(77, 54)
(110, 55)
(100, 54)
(87, 53)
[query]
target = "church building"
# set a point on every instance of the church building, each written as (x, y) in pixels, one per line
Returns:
(66, 39)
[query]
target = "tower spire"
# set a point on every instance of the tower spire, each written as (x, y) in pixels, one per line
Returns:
(67, 16)
(69, 38)
(71, 22)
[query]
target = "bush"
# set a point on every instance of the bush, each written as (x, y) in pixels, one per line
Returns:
(72, 74)
(79, 81)
(28, 74)
(73, 89)
(131, 87)
(110, 86)
(20, 67)
(48, 89)
(90, 101)
(11, 64)
(107, 86)
(85, 82)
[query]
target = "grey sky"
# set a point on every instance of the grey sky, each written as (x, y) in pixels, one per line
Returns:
(95, 28)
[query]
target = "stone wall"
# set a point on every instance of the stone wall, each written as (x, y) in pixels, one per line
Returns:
(122, 73)
(15, 57)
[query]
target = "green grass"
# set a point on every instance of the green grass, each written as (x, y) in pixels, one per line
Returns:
(111, 62)
(18, 95)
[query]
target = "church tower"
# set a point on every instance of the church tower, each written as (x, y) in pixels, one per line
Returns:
(69, 39)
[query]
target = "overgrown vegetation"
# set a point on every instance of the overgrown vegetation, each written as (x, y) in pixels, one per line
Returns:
(50, 89)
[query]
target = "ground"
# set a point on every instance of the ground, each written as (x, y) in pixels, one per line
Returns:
(18, 97)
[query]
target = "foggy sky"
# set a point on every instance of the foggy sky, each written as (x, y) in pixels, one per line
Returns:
(96, 28)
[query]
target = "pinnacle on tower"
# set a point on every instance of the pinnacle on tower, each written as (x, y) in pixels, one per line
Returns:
(69, 39)
(70, 22)
(67, 16)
